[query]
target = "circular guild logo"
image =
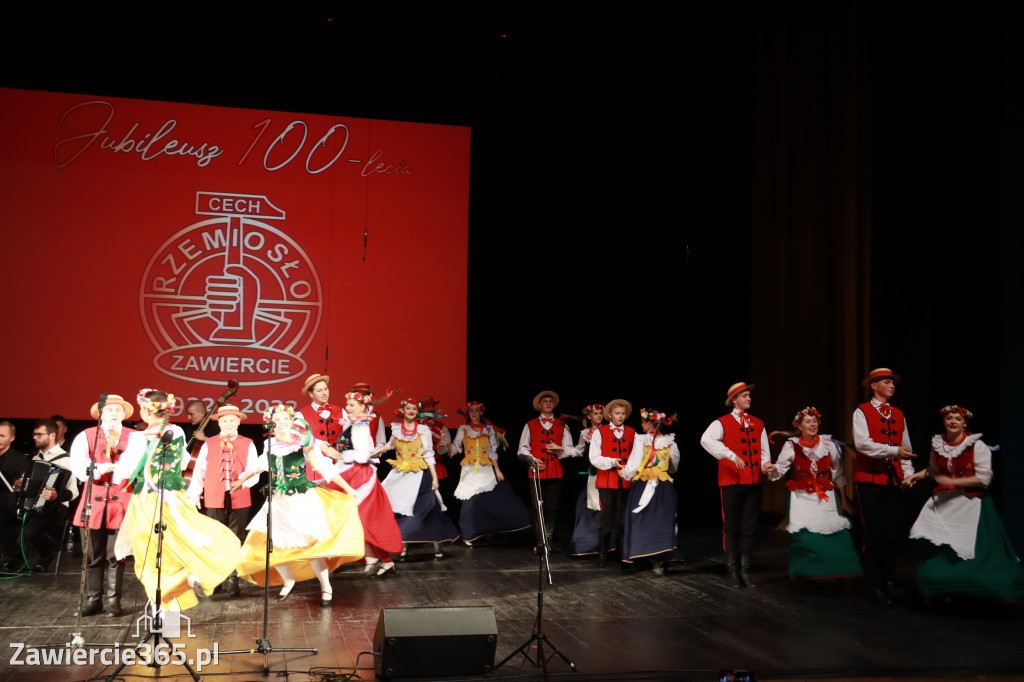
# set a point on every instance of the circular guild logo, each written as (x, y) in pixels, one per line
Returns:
(231, 297)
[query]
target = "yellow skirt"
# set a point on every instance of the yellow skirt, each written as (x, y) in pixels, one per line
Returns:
(343, 543)
(193, 545)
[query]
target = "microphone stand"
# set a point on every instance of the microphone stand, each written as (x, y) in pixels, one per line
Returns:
(156, 622)
(538, 637)
(263, 645)
(76, 638)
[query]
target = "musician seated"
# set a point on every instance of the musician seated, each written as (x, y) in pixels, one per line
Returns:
(48, 510)
(12, 467)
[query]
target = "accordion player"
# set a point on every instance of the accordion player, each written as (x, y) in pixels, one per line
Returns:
(46, 490)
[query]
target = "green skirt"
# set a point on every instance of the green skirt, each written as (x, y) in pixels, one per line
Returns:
(993, 573)
(813, 555)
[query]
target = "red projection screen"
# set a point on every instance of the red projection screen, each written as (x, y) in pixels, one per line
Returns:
(175, 246)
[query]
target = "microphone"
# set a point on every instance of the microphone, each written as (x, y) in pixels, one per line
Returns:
(102, 402)
(167, 437)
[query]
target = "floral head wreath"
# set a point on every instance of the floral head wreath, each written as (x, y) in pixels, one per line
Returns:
(475, 403)
(654, 416)
(806, 412)
(590, 408)
(363, 398)
(153, 405)
(408, 401)
(268, 415)
(956, 409)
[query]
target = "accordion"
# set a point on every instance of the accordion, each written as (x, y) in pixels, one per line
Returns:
(41, 475)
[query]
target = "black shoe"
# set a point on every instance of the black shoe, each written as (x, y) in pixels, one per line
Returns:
(384, 572)
(91, 608)
(284, 594)
(113, 611)
(325, 602)
(231, 587)
(42, 564)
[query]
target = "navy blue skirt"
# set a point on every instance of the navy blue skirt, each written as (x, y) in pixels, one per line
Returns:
(653, 530)
(585, 538)
(496, 511)
(427, 523)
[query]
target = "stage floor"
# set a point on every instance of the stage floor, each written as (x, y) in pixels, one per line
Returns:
(686, 625)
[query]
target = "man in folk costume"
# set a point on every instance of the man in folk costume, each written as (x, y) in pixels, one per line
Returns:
(544, 442)
(222, 461)
(102, 446)
(324, 419)
(739, 442)
(610, 447)
(882, 463)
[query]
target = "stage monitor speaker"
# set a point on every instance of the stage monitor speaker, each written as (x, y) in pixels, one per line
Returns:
(436, 641)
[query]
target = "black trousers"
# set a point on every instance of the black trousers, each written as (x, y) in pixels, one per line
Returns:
(883, 530)
(235, 519)
(43, 529)
(613, 509)
(101, 545)
(551, 491)
(741, 505)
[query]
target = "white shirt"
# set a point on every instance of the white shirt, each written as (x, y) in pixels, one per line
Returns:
(80, 455)
(568, 449)
(715, 434)
(866, 445)
(49, 456)
(195, 488)
(597, 460)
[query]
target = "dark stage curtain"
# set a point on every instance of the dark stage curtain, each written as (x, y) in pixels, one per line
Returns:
(811, 224)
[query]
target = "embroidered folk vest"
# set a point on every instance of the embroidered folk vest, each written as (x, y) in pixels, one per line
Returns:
(746, 443)
(617, 449)
(810, 476)
(213, 481)
(885, 470)
(108, 501)
(540, 437)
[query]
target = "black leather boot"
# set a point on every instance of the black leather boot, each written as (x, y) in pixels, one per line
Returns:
(730, 568)
(93, 603)
(113, 579)
(602, 551)
(745, 570)
(231, 585)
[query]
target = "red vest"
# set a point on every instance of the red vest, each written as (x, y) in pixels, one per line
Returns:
(963, 467)
(539, 437)
(108, 501)
(746, 443)
(806, 481)
(617, 449)
(213, 482)
(322, 429)
(887, 470)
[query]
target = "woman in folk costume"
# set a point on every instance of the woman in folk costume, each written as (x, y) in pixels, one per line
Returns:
(821, 546)
(585, 535)
(489, 505)
(357, 451)
(970, 553)
(414, 496)
(650, 529)
(314, 529)
(197, 553)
